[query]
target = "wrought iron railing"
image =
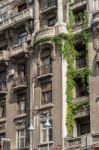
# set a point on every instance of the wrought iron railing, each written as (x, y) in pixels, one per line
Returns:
(43, 70)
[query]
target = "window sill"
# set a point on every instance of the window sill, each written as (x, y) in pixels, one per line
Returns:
(46, 106)
(20, 115)
(2, 120)
(46, 143)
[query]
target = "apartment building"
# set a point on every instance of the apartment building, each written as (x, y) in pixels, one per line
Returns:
(32, 75)
(86, 124)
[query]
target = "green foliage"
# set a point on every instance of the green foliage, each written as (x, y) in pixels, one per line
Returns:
(65, 44)
(80, 105)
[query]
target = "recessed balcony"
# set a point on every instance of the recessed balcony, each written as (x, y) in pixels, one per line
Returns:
(19, 83)
(95, 17)
(48, 6)
(19, 50)
(44, 71)
(22, 16)
(45, 33)
(77, 3)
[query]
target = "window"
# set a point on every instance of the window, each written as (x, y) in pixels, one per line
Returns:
(21, 102)
(22, 7)
(46, 97)
(46, 90)
(85, 128)
(46, 60)
(2, 108)
(44, 131)
(83, 125)
(80, 89)
(51, 21)
(50, 2)
(2, 80)
(20, 138)
(22, 36)
(22, 70)
(2, 135)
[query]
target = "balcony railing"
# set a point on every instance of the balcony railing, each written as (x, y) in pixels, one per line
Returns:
(86, 141)
(73, 142)
(77, 27)
(44, 70)
(45, 33)
(26, 14)
(3, 2)
(82, 112)
(46, 5)
(95, 138)
(77, 3)
(18, 49)
(19, 82)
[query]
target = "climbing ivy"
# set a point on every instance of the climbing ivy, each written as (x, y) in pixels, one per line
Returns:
(65, 44)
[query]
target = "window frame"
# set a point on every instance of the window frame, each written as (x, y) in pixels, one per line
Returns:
(43, 128)
(19, 137)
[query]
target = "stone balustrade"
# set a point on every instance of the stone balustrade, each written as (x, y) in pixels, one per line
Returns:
(45, 33)
(26, 14)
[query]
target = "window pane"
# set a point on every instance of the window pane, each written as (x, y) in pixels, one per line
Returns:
(44, 135)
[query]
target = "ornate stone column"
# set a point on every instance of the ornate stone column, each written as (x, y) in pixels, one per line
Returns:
(60, 25)
(60, 11)
(90, 11)
(36, 16)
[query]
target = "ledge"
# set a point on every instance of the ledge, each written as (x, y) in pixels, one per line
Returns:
(46, 143)
(3, 120)
(20, 116)
(46, 106)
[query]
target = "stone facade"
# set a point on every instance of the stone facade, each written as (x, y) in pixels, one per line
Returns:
(32, 78)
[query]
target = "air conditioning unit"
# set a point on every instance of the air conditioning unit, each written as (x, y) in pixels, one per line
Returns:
(6, 144)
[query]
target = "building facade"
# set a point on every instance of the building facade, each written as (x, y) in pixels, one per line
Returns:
(32, 75)
(86, 124)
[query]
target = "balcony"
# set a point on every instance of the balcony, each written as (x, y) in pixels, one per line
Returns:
(4, 55)
(87, 141)
(3, 2)
(24, 15)
(73, 143)
(3, 88)
(81, 99)
(95, 139)
(45, 33)
(80, 63)
(77, 3)
(44, 71)
(19, 50)
(82, 112)
(19, 83)
(77, 27)
(48, 6)
(95, 17)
